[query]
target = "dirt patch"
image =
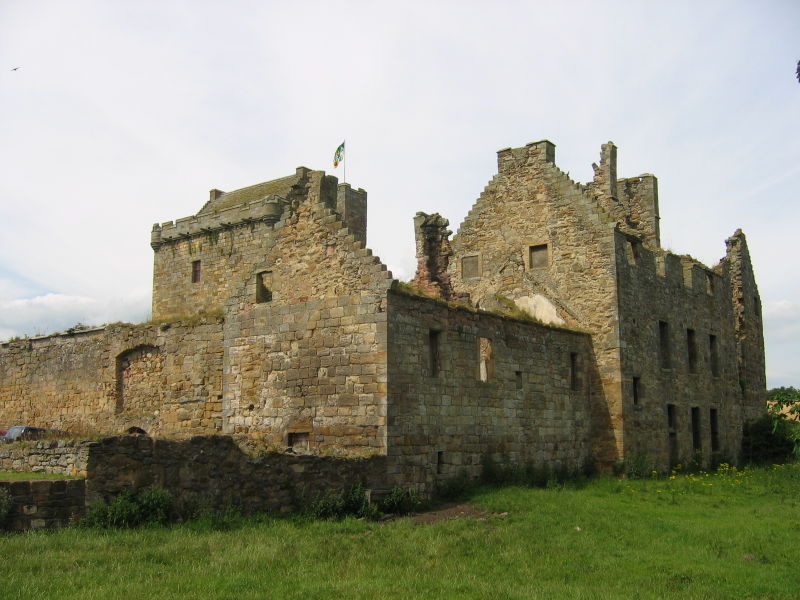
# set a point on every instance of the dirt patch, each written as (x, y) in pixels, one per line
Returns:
(448, 512)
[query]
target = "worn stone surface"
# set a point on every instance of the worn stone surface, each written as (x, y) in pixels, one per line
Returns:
(44, 504)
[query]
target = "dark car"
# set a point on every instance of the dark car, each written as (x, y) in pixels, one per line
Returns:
(23, 432)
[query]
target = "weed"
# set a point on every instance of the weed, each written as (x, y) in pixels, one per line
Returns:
(401, 501)
(151, 506)
(339, 504)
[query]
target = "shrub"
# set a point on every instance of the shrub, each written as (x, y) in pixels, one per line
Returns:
(770, 439)
(401, 501)
(337, 505)
(150, 506)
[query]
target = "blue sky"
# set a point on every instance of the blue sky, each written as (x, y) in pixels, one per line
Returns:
(123, 114)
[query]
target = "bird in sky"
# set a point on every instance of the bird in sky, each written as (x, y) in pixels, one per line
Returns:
(17, 68)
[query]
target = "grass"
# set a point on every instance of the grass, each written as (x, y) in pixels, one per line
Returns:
(728, 535)
(14, 476)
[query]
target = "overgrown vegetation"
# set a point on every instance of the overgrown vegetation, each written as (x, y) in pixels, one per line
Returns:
(774, 438)
(149, 506)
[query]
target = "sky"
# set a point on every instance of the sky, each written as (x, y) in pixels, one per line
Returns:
(124, 114)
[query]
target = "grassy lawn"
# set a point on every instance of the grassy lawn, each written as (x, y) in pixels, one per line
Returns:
(13, 476)
(728, 535)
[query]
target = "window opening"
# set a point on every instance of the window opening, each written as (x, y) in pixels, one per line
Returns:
(440, 462)
(537, 256)
(486, 359)
(709, 284)
(697, 443)
(195, 271)
(518, 379)
(574, 381)
(691, 350)
(299, 440)
(713, 419)
(714, 354)
(636, 390)
(470, 267)
(672, 434)
(434, 364)
(663, 344)
(264, 286)
(633, 252)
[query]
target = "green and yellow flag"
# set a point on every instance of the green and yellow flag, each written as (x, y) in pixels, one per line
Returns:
(338, 155)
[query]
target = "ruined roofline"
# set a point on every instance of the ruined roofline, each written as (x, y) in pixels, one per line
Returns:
(270, 208)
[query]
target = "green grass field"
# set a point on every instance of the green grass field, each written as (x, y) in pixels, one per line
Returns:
(729, 535)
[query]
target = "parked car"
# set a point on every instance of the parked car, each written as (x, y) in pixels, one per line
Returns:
(19, 433)
(2, 432)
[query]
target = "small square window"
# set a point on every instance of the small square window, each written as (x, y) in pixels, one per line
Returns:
(264, 286)
(470, 267)
(537, 256)
(299, 440)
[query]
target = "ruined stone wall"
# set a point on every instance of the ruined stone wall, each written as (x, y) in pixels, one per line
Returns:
(44, 504)
(165, 379)
(542, 240)
(307, 364)
(678, 363)
(59, 457)
(465, 385)
(218, 472)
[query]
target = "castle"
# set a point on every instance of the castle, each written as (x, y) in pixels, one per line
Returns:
(551, 329)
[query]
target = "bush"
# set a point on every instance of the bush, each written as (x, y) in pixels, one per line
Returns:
(401, 501)
(771, 439)
(150, 506)
(338, 505)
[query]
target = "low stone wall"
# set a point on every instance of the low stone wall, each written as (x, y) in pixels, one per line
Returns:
(60, 457)
(44, 504)
(216, 472)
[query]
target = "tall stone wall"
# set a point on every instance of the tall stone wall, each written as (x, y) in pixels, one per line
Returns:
(465, 385)
(676, 319)
(306, 363)
(542, 240)
(165, 379)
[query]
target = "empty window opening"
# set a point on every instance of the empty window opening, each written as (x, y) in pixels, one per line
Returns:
(195, 271)
(637, 390)
(672, 435)
(440, 462)
(709, 284)
(713, 421)
(518, 379)
(691, 350)
(697, 441)
(537, 256)
(470, 267)
(663, 344)
(632, 252)
(299, 440)
(434, 360)
(264, 286)
(485, 359)
(574, 380)
(713, 354)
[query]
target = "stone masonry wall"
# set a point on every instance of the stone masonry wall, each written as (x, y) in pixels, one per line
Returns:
(308, 362)
(219, 472)
(163, 378)
(659, 287)
(534, 405)
(532, 204)
(59, 457)
(44, 504)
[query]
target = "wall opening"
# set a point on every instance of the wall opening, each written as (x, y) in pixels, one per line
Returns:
(470, 267)
(138, 379)
(518, 379)
(672, 432)
(664, 345)
(713, 352)
(697, 440)
(485, 359)
(691, 350)
(709, 284)
(538, 256)
(713, 420)
(299, 440)
(264, 286)
(196, 273)
(637, 390)
(632, 252)
(440, 462)
(434, 359)
(574, 379)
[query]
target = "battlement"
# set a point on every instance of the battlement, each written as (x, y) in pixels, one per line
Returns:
(269, 210)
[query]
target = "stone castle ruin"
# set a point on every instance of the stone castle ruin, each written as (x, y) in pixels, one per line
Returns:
(552, 328)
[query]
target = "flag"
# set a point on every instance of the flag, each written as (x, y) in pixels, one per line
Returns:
(338, 155)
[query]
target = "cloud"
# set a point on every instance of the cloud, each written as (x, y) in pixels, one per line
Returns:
(57, 312)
